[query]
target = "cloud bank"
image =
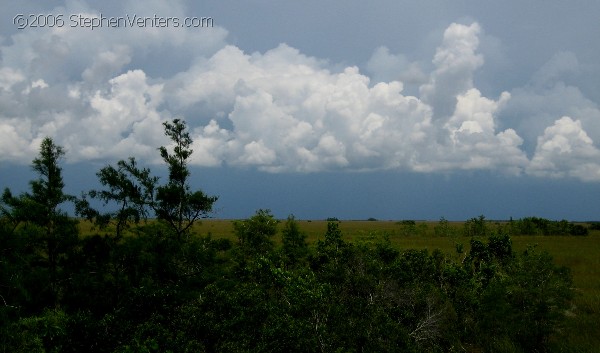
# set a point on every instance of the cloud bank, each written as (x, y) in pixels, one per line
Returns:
(103, 94)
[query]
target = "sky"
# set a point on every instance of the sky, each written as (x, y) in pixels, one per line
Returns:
(348, 109)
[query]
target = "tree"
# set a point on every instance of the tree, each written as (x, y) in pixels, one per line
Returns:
(138, 193)
(12, 210)
(333, 237)
(47, 194)
(294, 241)
(254, 234)
(41, 205)
(175, 203)
(129, 186)
(41, 208)
(443, 228)
(524, 301)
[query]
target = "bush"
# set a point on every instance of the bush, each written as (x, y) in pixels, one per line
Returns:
(476, 227)
(443, 229)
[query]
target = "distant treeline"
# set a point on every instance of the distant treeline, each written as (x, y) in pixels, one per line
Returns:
(541, 226)
(480, 227)
(524, 226)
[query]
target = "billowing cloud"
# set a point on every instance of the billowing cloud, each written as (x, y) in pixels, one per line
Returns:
(565, 149)
(548, 96)
(473, 140)
(103, 95)
(456, 61)
(297, 115)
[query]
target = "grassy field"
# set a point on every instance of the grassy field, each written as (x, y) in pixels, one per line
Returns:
(580, 254)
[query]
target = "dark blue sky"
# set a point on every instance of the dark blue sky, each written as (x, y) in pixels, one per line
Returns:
(389, 195)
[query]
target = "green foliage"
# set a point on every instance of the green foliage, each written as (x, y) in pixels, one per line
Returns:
(14, 210)
(44, 333)
(254, 234)
(408, 227)
(137, 193)
(476, 227)
(516, 300)
(443, 229)
(47, 191)
(384, 300)
(175, 203)
(50, 234)
(411, 228)
(127, 185)
(294, 246)
(41, 206)
(542, 226)
(153, 293)
(333, 236)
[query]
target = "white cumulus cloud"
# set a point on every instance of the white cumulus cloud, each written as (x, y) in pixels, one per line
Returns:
(455, 63)
(104, 94)
(565, 149)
